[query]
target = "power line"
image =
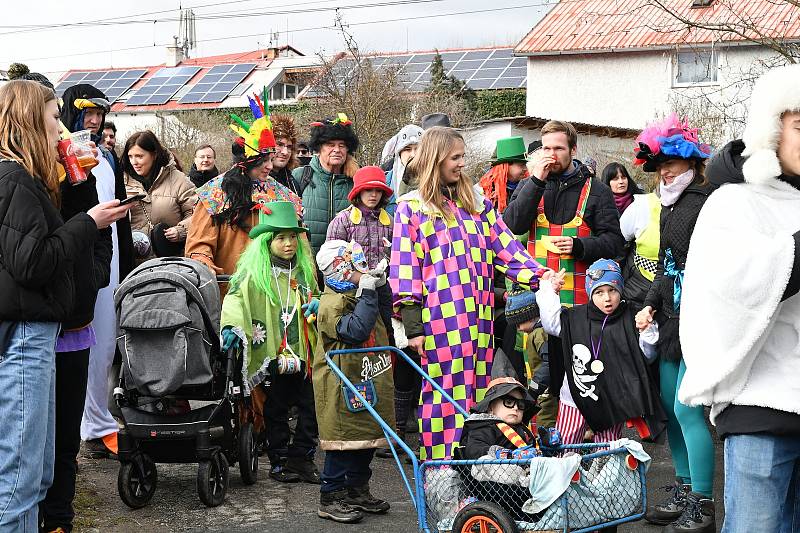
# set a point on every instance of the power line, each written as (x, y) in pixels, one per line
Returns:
(220, 15)
(298, 30)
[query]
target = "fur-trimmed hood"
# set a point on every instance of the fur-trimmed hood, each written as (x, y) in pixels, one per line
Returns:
(774, 93)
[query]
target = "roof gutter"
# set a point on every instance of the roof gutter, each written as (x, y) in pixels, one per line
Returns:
(715, 44)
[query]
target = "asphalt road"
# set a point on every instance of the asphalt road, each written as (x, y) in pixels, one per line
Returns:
(271, 506)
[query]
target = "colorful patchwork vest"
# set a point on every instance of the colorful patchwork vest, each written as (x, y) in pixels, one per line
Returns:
(574, 290)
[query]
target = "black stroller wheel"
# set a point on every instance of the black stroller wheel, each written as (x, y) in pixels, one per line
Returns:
(137, 481)
(483, 517)
(212, 480)
(248, 454)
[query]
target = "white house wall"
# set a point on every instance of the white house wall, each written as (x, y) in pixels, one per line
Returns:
(622, 89)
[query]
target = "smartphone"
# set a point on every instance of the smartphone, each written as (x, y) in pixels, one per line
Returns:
(133, 198)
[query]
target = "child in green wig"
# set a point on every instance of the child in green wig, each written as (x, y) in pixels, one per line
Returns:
(266, 313)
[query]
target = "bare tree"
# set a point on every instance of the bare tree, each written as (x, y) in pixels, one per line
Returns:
(184, 131)
(720, 109)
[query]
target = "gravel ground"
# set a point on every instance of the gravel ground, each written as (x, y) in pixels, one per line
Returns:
(272, 506)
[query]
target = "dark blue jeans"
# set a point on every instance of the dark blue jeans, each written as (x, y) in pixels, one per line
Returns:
(346, 469)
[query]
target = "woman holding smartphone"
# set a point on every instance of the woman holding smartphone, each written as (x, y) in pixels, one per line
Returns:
(39, 255)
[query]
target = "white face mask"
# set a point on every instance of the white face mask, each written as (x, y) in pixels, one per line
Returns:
(670, 193)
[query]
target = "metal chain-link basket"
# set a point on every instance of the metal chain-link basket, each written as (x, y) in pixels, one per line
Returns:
(580, 488)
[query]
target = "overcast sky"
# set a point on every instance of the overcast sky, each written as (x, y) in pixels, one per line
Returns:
(39, 37)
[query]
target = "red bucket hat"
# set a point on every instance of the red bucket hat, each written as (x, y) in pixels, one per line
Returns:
(367, 178)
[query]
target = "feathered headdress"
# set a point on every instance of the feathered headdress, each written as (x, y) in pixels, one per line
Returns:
(671, 138)
(256, 138)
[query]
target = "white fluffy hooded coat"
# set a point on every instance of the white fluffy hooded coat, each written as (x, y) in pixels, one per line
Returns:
(741, 344)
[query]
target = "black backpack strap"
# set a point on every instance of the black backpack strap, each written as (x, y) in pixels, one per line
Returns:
(305, 178)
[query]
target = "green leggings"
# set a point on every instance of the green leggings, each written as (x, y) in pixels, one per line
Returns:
(689, 439)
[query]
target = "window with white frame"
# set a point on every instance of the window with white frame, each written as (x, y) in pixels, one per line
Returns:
(695, 67)
(283, 91)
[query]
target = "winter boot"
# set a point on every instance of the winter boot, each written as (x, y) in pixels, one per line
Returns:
(697, 516)
(305, 468)
(278, 472)
(333, 507)
(360, 498)
(670, 510)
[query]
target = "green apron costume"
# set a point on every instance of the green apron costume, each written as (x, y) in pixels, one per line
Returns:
(339, 427)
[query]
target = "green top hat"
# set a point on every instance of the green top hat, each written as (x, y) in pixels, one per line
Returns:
(510, 150)
(277, 217)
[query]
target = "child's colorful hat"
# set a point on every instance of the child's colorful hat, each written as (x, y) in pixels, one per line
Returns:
(277, 217)
(337, 259)
(603, 272)
(520, 306)
(367, 178)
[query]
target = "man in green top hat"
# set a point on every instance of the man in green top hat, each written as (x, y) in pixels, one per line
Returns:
(267, 315)
(508, 169)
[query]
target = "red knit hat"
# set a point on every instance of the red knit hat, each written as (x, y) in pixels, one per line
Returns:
(367, 178)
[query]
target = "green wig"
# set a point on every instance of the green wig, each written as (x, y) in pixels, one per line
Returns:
(256, 262)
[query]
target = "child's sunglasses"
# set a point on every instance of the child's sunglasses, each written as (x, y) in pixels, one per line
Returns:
(510, 402)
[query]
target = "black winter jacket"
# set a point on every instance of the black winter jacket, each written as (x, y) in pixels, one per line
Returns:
(676, 226)
(93, 267)
(481, 432)
(285, 178)
(560, 204)
(38, 250)
(726, 165)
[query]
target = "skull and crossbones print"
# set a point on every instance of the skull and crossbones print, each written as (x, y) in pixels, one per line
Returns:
(582, 374)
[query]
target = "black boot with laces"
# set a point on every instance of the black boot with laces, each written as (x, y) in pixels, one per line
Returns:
(670, 510)
(697, 517)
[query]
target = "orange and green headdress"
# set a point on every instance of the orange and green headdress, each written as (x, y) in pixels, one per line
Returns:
(256, 138)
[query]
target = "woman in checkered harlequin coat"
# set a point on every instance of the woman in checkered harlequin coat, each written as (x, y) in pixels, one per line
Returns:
(448, 240)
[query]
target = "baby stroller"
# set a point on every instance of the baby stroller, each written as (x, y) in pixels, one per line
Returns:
(168, 312)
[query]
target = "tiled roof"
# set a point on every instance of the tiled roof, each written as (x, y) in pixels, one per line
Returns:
(575, 26)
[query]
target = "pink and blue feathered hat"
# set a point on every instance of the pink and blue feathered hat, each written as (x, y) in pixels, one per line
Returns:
(603, 272)
(671, 138)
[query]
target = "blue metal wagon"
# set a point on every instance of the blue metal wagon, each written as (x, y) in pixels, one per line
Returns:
(453, 495)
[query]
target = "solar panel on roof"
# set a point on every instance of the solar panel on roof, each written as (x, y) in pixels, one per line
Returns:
(478, 54)
(496, 63)
(503, 53)
(515, 72)
(113, 83)
(162, 86)
(422, 58)
(218, 83)
(480, 84)
(452, 56)
(416, 67)
(509, 83)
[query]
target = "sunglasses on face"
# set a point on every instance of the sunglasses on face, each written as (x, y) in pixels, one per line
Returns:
(510, 402)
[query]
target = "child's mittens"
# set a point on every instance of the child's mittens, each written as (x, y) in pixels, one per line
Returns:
(230, 340)
(311, 308)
